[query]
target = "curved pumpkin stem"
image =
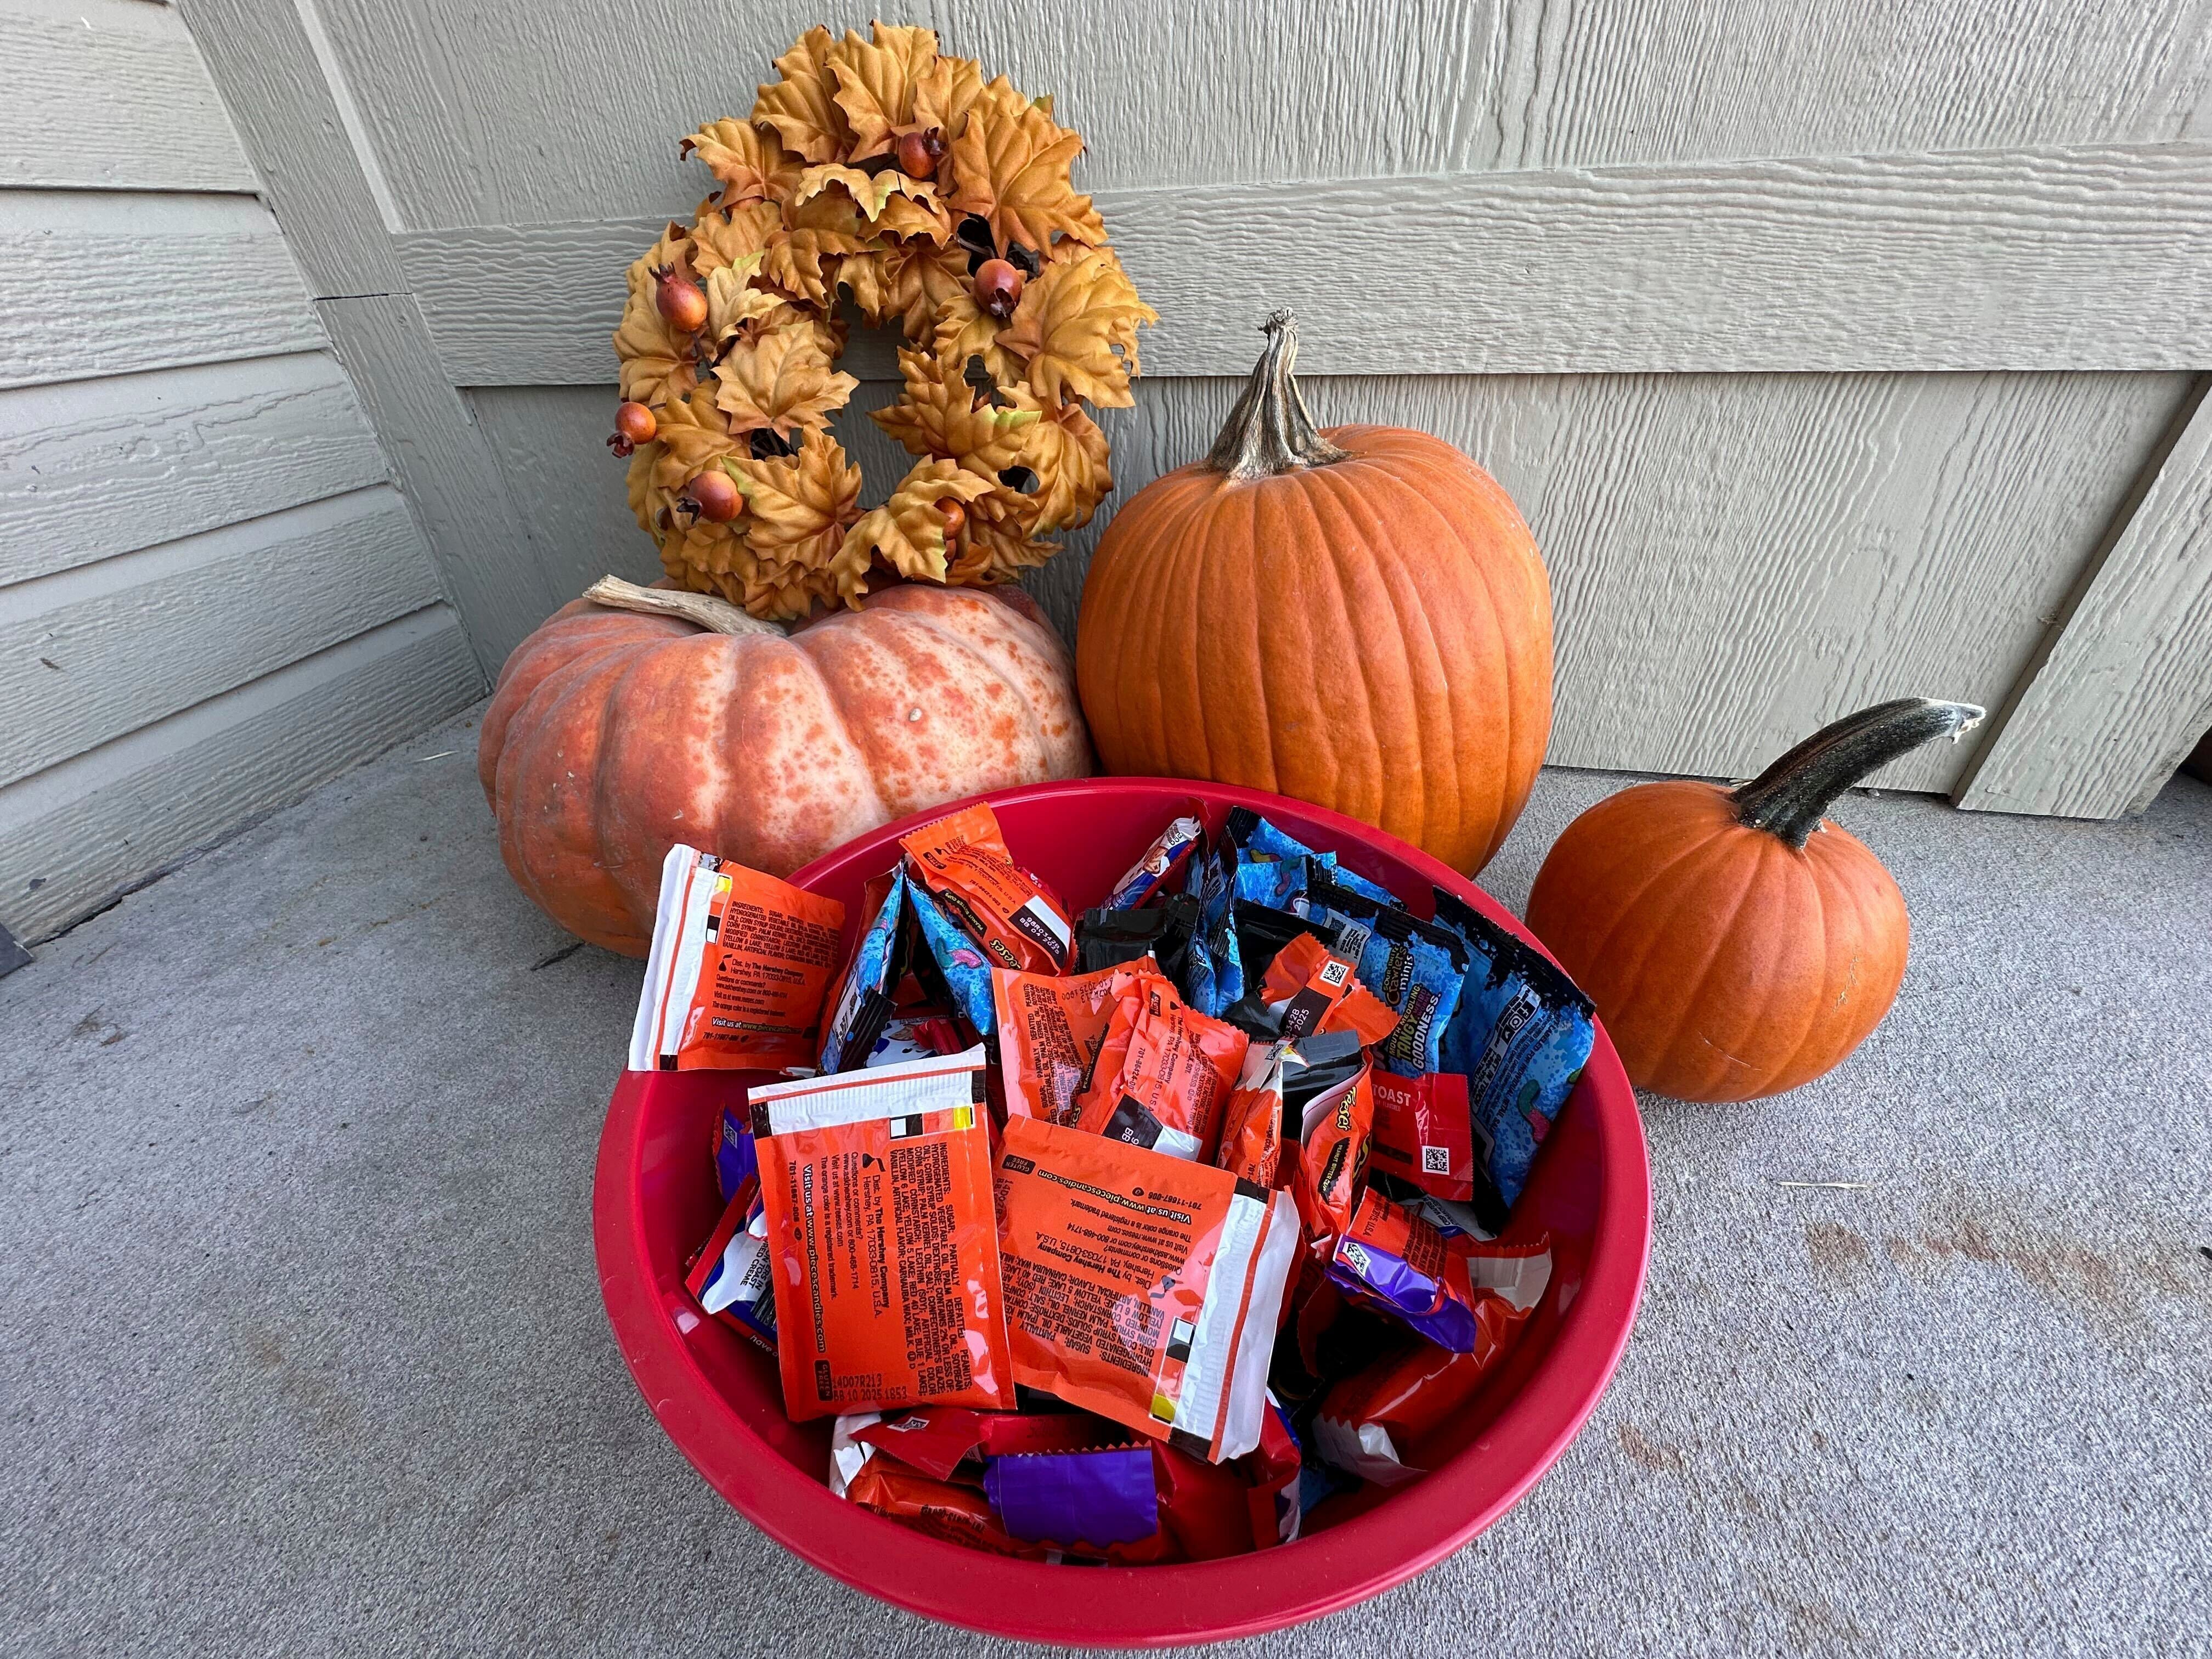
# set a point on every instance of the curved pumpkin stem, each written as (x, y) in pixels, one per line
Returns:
(716, 615)
(1269, 431)
(1788, 798)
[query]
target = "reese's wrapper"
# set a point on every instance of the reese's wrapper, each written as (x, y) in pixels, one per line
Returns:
(737, 970)
(1522, 1035)
(1154, 871)
(952, 963)
(1326, 1091)
(863, 1004)
(877, 1190)
(1252, 1126)
(1165, 932)
(1317, 991)
(1416, 967)
(1423, 1133)
(1141, 1287)
(958, 1513)
(1373, 1423)
(1050, 1026)
(1164, 1072)
(964, 862)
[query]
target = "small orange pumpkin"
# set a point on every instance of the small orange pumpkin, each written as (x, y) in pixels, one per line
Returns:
(1737, 943)
(650, 717)
(1358, 618)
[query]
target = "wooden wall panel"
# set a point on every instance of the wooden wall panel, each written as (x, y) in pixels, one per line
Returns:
(111, 94)
(1735, 559)
(105, 821)
(95, 468)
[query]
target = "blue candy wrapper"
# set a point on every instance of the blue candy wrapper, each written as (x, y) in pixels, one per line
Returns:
(1521, 1035)
(1417, 967)
(1273, 881)
(735, 1160)
(864, 1004)
(1095, 1498)
(1255, 835)
(1214, 975)
(959, 962)
(1153, 872)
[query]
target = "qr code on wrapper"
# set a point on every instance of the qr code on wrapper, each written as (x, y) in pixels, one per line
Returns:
(1436, 1160)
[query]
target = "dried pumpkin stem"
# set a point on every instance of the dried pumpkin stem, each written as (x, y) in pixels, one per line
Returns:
(716, 615)
(1269, 431)
(1788, 798)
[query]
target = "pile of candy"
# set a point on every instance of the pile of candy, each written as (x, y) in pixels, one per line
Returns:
(1129, 1236)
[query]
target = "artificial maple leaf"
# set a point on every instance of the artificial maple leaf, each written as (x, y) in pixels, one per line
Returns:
(780, 382)
(798, 507)
(731, 301)
(1010, 166)
(941, 415)
(1069, 455)
(803, 262)
(916, 217)
(875, 82)
(944, 93)
(751, 164)
(997, 543)
(646, 497)
(802, 107)
(658, 365)
(1068, 325)
(731, 238)
(908, 531)
(965, 330)
(868, 193)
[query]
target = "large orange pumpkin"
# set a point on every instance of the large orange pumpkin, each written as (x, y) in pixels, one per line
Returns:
(1358, 618)
(616, 731)
(1737, 943)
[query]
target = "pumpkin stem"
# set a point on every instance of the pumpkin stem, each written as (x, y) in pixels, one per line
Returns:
(1269, 431)
(716, 615)
(1788, 798)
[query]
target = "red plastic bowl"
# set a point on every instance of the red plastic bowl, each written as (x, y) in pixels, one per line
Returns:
(720, 1402)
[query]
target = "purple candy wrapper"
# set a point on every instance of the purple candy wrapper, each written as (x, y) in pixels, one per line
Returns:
(735, 1160)
(1095, 1498)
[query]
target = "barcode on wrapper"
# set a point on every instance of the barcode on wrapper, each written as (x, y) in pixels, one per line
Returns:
(1436, 1160)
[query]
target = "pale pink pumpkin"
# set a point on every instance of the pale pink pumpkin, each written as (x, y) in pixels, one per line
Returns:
(614, 734)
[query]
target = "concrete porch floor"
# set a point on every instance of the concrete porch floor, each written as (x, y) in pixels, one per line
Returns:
(302, 1351)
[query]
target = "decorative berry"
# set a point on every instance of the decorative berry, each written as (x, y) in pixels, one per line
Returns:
(714, 496)
(999, 285)
(636, 422)
(919, 153)
(680, 300)
(955, 515)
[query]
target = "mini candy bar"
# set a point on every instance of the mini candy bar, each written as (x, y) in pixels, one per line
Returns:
(735, 1162)
(959, 1514)
(1166, 932)
(940, 1439)
(1140, 1287)
(732, 1277)
(1369, 1423)
(1317, 991)
(1272, 1499)
(1252, 1126)
(864, 1000)
(964, 862)
(1156, 869)
(1215, 980)
(953, 965)
(913, 1036)
(1415, 967)
(1050, 1028)
(877, 1190)
(738, 969)
(1326, 1085)
(1443, 1288)
(1522, 1036)
(1254, 834)
(1272, 881)
(1164, 1073)
(1422, 1133)
(1097, 1497)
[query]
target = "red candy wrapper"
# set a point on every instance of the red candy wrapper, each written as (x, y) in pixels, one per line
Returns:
(939, 1439)
(1164, 1074)
(1424, 1133)
(964, 862)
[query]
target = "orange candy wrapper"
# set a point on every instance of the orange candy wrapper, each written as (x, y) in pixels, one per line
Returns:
(1252, 1127)
(1050, 1028)
(1164, 1072)
(1320, 993)
(1142, 1287)
(964, 862)
(875, 1185)
(740, 964)
(1333, 1144)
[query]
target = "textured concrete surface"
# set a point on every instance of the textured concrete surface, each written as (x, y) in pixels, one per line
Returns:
(301, 1351)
